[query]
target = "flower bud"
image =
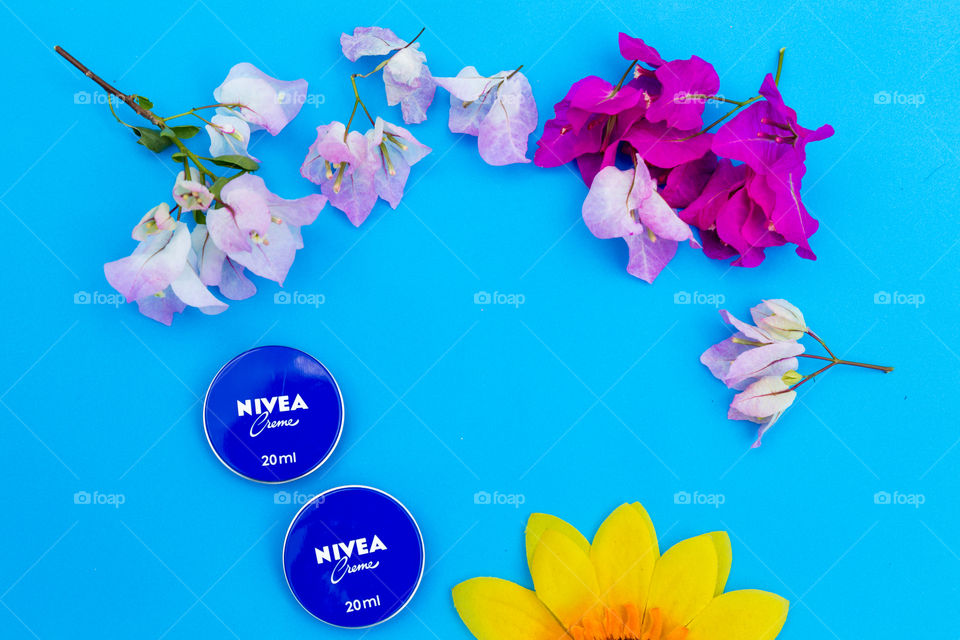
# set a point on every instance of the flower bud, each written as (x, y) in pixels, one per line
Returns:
(780, 319)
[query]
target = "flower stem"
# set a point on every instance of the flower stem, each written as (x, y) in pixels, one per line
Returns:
(624, 76)
(776, 78)
(833, 359)
(131, 101)
(419, 33)
(109, 88)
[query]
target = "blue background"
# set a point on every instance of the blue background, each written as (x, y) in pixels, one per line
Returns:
(587, 395)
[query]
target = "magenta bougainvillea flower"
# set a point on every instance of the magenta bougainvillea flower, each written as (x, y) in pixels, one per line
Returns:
(499, 110)
(761, 361)
(740, 186)
(264, 102)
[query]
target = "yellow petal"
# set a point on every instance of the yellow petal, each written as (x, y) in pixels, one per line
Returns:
(684, 581)
(495, 609)
(741, 615)
(721, 543)
(540, 522)
(564, 578)
(624, 552)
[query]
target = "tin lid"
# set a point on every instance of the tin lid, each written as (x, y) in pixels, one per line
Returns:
(273, 414)
(353, 556)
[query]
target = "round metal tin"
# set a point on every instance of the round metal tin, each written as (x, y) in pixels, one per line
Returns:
(273, 414)
(353, 556)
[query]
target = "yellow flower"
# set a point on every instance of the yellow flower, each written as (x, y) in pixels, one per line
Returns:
(619, 588)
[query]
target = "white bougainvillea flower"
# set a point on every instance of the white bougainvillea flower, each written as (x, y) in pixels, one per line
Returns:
(369, 41)
(406, 77)
(398, 150)
(407, 80)
(258, 229)
(190, 193)
(229, 136)
(764, 401)
(160, 276)
(265, 102)
(344, 166)
(499, 110)
(216, 269)
(157, 219)
(625, 203)
(780, 319)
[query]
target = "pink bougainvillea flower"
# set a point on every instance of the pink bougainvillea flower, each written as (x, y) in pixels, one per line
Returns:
(768, 139)
(685, 182)
(369, 41)
(636, 49)
(159, 276)
(265, 102)
(626, 204)
(345, 168)
(190, 193)
(764, 401)
(258, 229)
(682, 81)
(157, 219)
(766, 135)
(216, 269)
(560, 142)
(499, 110)
(397, 150)
(229, 136)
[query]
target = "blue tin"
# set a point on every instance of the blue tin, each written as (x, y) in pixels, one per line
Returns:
(273, 414)
(353, 556)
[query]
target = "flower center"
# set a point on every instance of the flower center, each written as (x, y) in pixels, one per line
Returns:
(784, 133)
(611, 625)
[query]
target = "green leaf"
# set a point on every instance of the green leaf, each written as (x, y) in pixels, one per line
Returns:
(236, 162)
(178, 156)
(144, 102)
(182, 132)
(152, 138)
(185, 131)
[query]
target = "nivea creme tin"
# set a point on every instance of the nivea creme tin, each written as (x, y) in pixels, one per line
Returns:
(353, 556)
(273, 414)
